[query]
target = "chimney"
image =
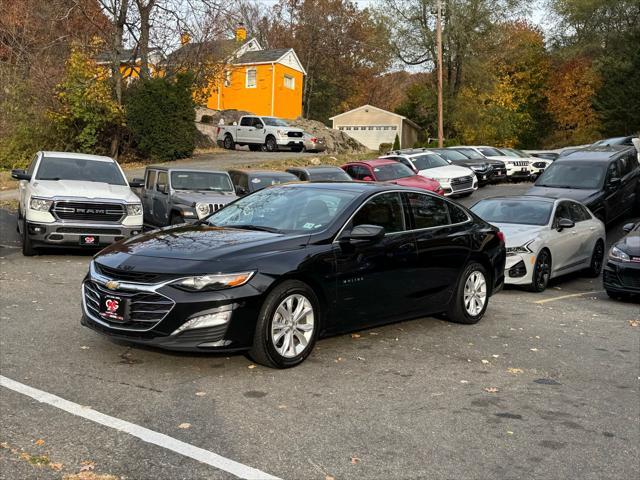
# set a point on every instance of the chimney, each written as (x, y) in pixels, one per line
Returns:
(184, 38)
(241, 33)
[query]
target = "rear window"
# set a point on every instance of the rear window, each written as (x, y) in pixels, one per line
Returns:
(262, 181)
(491, 152)
(331, 175)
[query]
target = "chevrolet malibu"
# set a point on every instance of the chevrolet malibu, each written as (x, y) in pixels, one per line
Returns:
(277, 269)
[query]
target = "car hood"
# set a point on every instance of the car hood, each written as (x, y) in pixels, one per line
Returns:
(517, 235)
(416, 181)
(631, 245)
(197, 243)
(581, 195)
(450, 171)
(505, 158)
(192, 197)
(83, 189)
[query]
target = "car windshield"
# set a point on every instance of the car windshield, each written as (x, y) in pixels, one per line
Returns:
(284, 210)
(424, 162)
(81, 169)
(522, 212)
(266, 180)
(514, 152)
(211, 181)
(569, 174)
(491, 152)
(392, 171)
(274, 122)
(471, 153)
(331, 175)
(452, 155)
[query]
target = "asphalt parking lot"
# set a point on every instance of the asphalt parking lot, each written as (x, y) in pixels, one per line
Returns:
(545, 386)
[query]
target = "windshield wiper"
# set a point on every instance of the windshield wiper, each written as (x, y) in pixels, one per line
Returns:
(51, 178)
(259, 228)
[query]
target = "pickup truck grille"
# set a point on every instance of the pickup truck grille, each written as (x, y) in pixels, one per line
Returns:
(88, 211)
(294, 134)
(521, 163)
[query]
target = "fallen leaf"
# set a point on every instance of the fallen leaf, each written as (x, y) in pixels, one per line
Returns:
(251, 366)
(339, 359)
(634, 323)
(201, 394)
(184, 426)
(491, 389)
(464, 381)
(495, 356)
(355, 335)
(40, 442)
(56, 466)
(360, 358)
(282, 407)
(329, 477)
(87, 466)
(354, 460)
(514, 370)
(484, 361)
(509, 432)
(533, 349)
(84, 347)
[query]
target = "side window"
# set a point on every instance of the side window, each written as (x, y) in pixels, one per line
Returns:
(613, 171)
(457, 214)
(150, 181)
(358, 172)
(257, 122)
(246, 121)
(585, 212)
(243, 181)
(349, 170)
(577, 214)
(428, 211)
(162, 180)
(403, 161)
(384, 210)
(562, 211)
(32, 165)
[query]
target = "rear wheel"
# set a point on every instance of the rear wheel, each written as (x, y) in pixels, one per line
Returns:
(176, 219)
(270, 144)
(541, 272)
(471, 297)
(287, 326)
(228, 142)
(597, 260)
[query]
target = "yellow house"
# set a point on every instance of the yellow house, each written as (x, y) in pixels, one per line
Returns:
(261, 81)
(130, 62)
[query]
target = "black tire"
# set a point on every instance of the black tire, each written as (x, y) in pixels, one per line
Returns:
(616, 295)
(297, 149)
(176, 219)
(597, 260)
(228, 142)
(254, 147)
(270, 144)
(28, 249)
(541, 272)
(457, 311)
(263, 350)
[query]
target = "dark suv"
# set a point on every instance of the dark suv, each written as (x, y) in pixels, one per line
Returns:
(605, 179)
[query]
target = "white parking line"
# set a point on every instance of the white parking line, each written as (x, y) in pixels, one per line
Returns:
(562, 297)
(144, 434)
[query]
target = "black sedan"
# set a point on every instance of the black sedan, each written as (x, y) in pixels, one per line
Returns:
(320, 173)
(621, 276)
(275, 270)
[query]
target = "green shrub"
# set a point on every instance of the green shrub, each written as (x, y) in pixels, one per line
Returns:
(396, 143)
(160, 116)
(384, 148)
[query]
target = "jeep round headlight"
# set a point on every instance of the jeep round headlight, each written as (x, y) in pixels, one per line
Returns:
(202, 209)
(214, 281)
(134, 209)
(40, 204)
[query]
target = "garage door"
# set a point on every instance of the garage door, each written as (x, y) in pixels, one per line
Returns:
(371, 136)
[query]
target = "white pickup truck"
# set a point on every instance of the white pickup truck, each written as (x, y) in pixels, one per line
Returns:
(257, 132)
(73, 199)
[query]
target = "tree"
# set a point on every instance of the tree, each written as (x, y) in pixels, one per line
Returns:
(160, 115)
(396, 143)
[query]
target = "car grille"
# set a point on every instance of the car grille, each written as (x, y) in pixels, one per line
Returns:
(146, 309)
(131, 276)
(214, 207)
(88, 211)
(203, 335)
(461, 183)
(521, 163)
(518, 270)
(89, 230)
(539, 164)
(294, 134)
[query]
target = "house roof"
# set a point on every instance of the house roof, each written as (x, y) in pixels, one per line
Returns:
(367, 106)
(262, 56)
(194, 51)
(126, 55)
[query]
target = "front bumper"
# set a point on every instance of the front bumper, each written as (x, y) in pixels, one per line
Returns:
(621, 277)
(518, 172)
(290, 142)
(70, 233)
(518, 269)
(168, 308)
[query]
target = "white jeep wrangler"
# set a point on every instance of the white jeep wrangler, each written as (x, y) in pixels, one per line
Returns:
(73, 199)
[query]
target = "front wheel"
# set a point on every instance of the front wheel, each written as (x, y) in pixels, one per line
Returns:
(27, 245)
(177, 219)
(287, 326)
(597, 260)
(471, 297)
(271, 145)
(541, 272)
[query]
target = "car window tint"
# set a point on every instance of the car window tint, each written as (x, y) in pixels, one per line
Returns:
(151, 179)
(246, 121)
(162, 179)
(32, 165)
(613, 171)
(358, 172)
(562, 211)
(384, 210)
(428, 211)
(585, 212)
(457, 214)
(577, 215)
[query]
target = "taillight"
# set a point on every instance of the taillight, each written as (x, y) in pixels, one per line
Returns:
(314, 140)
(217, 131)
(500, 236)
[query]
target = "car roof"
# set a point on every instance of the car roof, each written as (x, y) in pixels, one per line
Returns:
(178, 169)
(374, 162)
(597, 154)
(79, 156)
(353, 186)
(525, 197)
(315, 167)
(258, 172)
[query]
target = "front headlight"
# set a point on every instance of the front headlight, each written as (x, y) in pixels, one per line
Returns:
(523, 249)
(214, 282)
(617, 254)
(281, 133)
(134, 209)
(40, 204)
(202, 209)
(443, 180)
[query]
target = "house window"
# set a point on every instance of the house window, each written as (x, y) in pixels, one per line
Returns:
(289, 82)
(251, 78)
(227, 78)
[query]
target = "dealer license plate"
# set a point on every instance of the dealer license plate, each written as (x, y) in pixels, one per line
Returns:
(113, 307)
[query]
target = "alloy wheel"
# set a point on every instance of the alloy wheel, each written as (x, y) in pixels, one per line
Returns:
(475, 293)
(597, 258)
(542, 270)
(292, 325)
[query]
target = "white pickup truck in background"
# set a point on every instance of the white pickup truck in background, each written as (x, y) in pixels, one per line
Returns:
(257, 132)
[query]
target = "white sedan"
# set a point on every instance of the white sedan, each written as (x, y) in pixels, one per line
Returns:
(454, 179)
(545, 238)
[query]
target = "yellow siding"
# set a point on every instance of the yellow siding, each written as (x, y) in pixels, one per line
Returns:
(288, 102)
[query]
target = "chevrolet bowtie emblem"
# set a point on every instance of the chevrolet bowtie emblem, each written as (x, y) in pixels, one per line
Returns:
(112, 285)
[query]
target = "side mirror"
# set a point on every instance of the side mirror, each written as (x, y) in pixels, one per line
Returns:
(368, 179)
(614, 183)
(565, 223)
(19, 174)
(628, 227)
(137, 183)
(259, 126)
(162, 188)
(241, 191)
(365, 233)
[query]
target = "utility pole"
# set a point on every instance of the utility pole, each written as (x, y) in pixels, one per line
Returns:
(439, 45)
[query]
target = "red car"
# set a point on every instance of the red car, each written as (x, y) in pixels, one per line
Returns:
(390, 171)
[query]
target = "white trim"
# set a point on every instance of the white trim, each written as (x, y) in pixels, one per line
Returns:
(293, 82)
(291, 50)
(146, 435)
(368, 106)
(273, 87)
(246, 77)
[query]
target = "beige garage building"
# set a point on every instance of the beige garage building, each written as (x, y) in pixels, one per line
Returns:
(372, 126)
